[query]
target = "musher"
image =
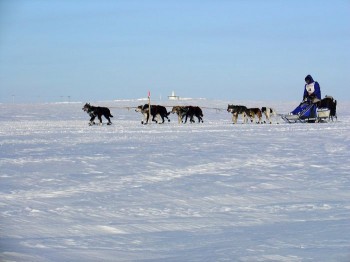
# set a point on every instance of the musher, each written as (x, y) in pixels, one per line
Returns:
(312, 95)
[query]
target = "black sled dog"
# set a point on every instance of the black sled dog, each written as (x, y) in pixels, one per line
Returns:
(330, 103)
(156, 110)
(188, 111)
(98, 111)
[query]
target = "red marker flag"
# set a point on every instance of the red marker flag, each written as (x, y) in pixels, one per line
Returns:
(149, 94)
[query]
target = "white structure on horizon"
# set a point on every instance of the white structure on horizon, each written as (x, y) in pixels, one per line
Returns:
(173, 96)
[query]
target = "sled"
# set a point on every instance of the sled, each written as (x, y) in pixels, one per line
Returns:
(307, 113)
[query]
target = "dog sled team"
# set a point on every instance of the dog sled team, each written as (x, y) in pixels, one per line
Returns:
(312, 109)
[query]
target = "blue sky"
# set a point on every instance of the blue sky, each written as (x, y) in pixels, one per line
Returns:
(231, 50)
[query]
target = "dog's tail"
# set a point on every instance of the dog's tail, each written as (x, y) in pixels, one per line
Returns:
(110, 115)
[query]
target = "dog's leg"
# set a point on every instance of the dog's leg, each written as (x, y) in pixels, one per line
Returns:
(182, 117)
(186, 119)
(245, 118)
(265, 118)
(201, 117)
(271, 114)
(192, 120)
(160, 117)
(259, 117)
(153, 118)
(109, 120)
(92, 120)
(179, 119)
(268, 116)
(235, 117)
(100, 118)
(145, 118)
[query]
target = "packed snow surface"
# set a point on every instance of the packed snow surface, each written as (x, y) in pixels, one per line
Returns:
(213, 191)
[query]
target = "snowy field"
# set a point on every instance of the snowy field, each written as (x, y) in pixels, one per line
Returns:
(196, 192)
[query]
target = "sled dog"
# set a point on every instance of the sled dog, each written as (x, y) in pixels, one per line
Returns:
(254, 112)
(180, 111)
(156, 110)
(188, 111)
(268, 112)
(330, 103)
(98, 111)
(236, 110)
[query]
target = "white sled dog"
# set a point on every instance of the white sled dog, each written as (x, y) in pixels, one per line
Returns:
(269, 112)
